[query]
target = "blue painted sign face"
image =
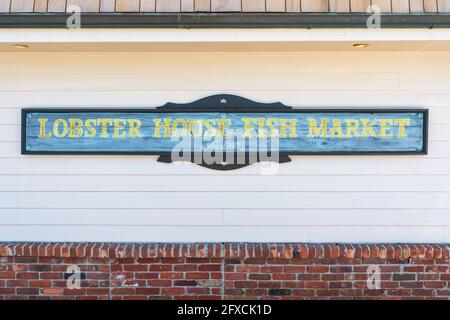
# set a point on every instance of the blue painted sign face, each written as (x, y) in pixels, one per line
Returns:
(197, 129)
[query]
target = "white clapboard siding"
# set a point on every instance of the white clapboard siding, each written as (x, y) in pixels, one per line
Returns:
(296, 98)
(228, 217)
(224, 183)
(114, 217)
(155, 82)
(229, 200)
(301, 165)
(353, 234)
(234, 63)
(312, 199)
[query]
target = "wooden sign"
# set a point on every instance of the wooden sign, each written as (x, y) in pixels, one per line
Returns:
(227, 124)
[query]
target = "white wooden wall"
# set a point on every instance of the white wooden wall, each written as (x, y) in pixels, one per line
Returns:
(314, 199)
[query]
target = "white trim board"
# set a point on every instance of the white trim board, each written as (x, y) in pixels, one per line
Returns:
(223, 40)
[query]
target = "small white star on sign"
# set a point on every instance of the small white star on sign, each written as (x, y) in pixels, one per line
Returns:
(223, 101)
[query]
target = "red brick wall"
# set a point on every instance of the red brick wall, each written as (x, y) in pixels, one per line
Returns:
(223, 271)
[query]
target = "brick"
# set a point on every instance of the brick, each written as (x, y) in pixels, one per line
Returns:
(245, 284)
(210, 267)
(173, 291)
(246, 268)
(424, 292)
(259, 271)
(28, 291)
(275, 269)
(445, 276)
(236, 276)
(5, 291)
(52, 291)
(404, 277)
(97, 291)
(435, 284)
(389, 284)
(333, 277)
(260, 276)
(197, 275)
(17, 283)
(316, 285)
(39, 267)
(413, 269)
(327, 293)
(7, 275)
(40, 283)
(183, 267)
(235, 292)
(439, 269)
(159, 283)
(148, 291)
(135, 267)
(411, 285)
(284, 276)
(317, 269)
(304, 292)
(341, 269)
(160, 267)
(185, 283)
(289, 269)
(308, 277)
(279, 292)
(340, 284)
(171, 275)
(25, 260)
(429, 276)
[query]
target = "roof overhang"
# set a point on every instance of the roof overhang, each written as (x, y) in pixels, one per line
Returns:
(225, 20)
